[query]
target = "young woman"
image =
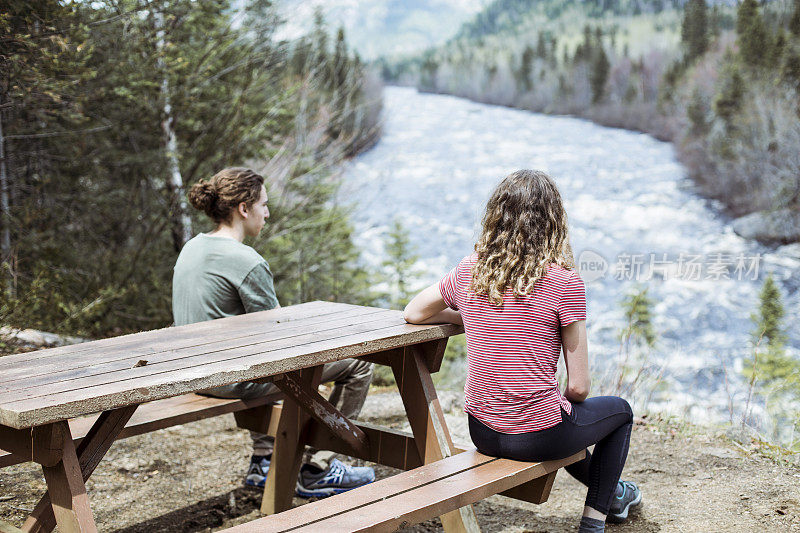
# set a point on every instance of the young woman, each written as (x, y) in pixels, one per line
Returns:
(217, 275)
(522, 304)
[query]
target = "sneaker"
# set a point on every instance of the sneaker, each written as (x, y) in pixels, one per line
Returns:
(620, 505)
(257, 473)
(337, 478)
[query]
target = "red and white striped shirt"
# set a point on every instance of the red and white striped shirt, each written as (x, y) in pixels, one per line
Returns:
(513, 349)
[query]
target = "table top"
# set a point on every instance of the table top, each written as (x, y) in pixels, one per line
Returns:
(56, 384)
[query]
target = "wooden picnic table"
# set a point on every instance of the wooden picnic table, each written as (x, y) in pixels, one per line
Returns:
(40, 391)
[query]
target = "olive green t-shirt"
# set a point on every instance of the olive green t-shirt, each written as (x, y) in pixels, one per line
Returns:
(215, 277)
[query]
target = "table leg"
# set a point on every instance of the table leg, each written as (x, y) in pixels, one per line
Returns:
(65, 478)
(287, 453)
(67, 492)
(428, 423)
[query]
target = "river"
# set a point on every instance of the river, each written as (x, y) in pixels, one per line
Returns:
(634, 222)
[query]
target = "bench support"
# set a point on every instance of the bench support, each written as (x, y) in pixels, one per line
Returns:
(413, 377)
(66, 502)
(323, 412)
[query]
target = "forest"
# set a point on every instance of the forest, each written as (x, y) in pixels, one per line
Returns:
(110, 110)
(719, 81)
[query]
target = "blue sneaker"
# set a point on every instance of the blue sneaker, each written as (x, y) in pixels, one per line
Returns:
(630, 497)
(257, 473)
(337, 478)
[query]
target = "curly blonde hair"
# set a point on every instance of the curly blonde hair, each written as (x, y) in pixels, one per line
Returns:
(524, 231)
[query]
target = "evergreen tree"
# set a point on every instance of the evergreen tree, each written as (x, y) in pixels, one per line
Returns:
(541, 46)
(770, 315)
(696, 113)
(400, 261)
(794, 21)
(599, 73)
(694, 30)
(790, 73)
(771, 366)
(752, 37)
(728, 102)
(636, 338)
(42, 63)
(778, 50)
(637, 307)
(525, 70)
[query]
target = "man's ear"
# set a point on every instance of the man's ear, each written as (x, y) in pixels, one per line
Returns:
(242, 208)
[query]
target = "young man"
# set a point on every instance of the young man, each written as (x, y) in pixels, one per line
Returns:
(217, 275)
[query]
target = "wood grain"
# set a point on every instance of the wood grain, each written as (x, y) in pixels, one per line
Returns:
(205, 374)
(409, 497)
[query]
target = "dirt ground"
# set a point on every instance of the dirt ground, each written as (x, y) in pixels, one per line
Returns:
(189, 479)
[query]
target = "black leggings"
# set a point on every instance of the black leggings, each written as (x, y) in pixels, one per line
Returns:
(605, 421)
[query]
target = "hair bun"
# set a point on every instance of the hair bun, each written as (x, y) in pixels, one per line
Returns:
(203, 196)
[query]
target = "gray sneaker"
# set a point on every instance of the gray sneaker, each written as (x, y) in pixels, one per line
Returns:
(337, 478)
(620, 505)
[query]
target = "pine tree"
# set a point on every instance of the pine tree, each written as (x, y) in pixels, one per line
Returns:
(694, 30)
(696, 113)
(752, 37)
(541, 46)
(770, 315)
(400, 261)
(599, 73)
(790, 72)
(636, 338)
(794, 21)
(637, 307)
(525, 69)
(728, 102)
(771, 365)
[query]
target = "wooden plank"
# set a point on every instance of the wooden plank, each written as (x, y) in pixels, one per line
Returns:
(437, 498)
(177, 334)
(41, 444)
(310, 400)
(409, 497)
(60, 406)
(158, 415)
(534, 491)
(427, 421)
(270, 341)
(366, 495)
(261, 419)
(33, 374)
(384, 358)
(66, 489)
(288, 449)
(387, 446)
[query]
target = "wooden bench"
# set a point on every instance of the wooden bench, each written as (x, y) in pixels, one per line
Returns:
(418, 495)
(250, 414)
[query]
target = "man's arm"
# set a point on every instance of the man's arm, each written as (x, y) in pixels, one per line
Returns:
(257, 291)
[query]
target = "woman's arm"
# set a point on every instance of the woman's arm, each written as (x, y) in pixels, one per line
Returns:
(428, 307)
(576, 358)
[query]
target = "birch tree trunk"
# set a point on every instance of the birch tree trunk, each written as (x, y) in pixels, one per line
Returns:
(181, 223)
(5, 216)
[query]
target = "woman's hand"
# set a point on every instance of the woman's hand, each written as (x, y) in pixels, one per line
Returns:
(428, 307)
(576, 358)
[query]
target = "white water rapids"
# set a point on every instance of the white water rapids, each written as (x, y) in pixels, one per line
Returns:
(629, 203)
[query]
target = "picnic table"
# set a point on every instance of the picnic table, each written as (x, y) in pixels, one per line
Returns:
(42, 391)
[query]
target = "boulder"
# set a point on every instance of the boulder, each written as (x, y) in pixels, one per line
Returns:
(781, 226)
